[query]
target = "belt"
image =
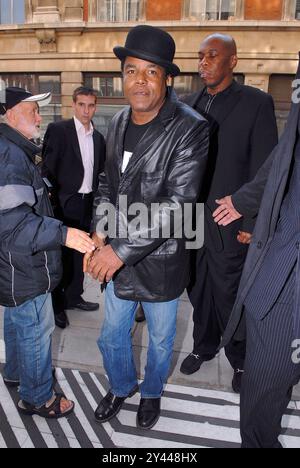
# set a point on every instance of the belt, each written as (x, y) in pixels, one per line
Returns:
(84, 196)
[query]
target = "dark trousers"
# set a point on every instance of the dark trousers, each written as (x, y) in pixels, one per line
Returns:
(270, 372)
(77, 213)
(212, 292)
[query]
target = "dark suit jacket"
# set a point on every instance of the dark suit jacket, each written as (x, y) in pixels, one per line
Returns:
(62, 161)
(264, 194)
(239, 145)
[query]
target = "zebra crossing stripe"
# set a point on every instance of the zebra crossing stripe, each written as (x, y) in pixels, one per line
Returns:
(91, 438)
(190, 418)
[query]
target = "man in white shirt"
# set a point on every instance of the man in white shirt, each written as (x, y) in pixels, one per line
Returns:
(73, 158)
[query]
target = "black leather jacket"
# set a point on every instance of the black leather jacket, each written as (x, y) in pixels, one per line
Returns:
(168, 166)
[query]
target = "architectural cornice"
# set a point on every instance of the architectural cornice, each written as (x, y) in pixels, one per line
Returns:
(170, 25)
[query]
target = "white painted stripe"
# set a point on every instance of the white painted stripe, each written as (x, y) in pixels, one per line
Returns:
(78, 410)
(13, 417)
(45, 431)
(229, 412)
(2, 351)
(187, 428)
(67, 430)
(291, 422)
(127, 440)
(2, 442)
(201, 392)
(23, 438)
(107, 426)
(290, 441)
(93, 403)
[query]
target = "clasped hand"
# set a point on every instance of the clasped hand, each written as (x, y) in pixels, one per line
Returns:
(103, 263)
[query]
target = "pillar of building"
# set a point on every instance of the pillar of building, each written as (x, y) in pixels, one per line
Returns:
(289, 10)
(258, 81)
(46, 11)
(69, 82)
(239, 9)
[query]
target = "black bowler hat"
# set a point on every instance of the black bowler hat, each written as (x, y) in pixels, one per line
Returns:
(14, 96)
(151, 44)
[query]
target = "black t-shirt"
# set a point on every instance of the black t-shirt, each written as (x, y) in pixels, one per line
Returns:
(134, 134)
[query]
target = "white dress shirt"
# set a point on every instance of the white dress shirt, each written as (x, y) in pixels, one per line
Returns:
(86, 144)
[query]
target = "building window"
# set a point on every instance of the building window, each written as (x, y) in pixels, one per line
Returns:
(111, 97)
(12, 11)
(117, 11)
(297, 13)
(37, 84)
(202, 10)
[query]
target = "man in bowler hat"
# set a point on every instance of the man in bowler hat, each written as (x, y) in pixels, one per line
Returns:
(156, 153)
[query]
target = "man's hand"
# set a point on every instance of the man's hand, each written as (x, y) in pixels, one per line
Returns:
(99, 243)
(244, 237)
(226, 213)
(80, 241)
(104, 264)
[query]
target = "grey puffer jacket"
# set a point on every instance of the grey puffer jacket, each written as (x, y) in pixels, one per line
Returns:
(30, 238)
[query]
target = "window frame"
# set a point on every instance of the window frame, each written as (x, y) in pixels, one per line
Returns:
(203, 13)
(94, 12)
(12, 9)
(108, 100)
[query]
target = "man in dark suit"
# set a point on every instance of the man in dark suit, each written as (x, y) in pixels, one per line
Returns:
(269, 291)
(243, 132)
(73, 158)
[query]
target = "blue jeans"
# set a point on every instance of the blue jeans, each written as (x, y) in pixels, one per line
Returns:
(116, 346)
(27, 335)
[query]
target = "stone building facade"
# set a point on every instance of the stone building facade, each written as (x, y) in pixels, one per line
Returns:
(60, 44)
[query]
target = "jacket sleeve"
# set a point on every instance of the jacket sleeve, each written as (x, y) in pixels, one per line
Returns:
(21, 229)
(52, 153)
(102, 196)
(264, 138)
(248, 198)
(182, 185)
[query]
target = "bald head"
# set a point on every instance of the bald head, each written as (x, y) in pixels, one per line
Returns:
(225, 40)
(217, 60)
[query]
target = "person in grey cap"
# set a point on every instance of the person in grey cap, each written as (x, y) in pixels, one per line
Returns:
(156, 153)
(30, 263)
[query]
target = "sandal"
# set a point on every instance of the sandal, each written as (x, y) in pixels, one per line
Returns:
(52, 411)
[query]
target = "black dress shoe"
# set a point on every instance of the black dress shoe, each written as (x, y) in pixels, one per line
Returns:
(193, 362)
(84, 305)
(237, 380)
(111, 405)
(61, 320)
(140, 315)
(148, 413)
